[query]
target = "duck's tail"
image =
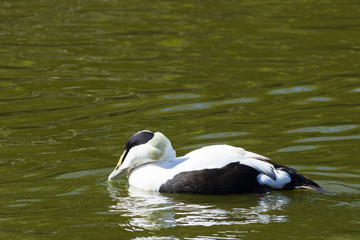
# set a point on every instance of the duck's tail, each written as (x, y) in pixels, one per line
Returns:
(299, 181)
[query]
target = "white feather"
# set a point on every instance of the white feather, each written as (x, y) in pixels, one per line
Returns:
(282, 178)
(218, 156)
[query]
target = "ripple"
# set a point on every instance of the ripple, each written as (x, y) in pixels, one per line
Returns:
(182, 96)
(297, 148)
(341, 186)
(220, 135)
(296, 89)
(332, 129)
(206, 105)
(81, 174)
(320, 99)
(76, 191)
(320, 139)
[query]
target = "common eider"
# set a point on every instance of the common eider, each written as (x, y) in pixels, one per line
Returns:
(152, 165)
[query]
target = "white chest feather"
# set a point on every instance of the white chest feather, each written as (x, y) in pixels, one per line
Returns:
(148, 177)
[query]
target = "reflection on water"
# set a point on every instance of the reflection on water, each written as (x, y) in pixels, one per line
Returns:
(154, 211)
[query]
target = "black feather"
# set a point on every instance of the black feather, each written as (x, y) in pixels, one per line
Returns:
(230, 179)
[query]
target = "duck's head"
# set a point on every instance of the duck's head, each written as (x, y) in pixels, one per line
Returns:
(142, 148)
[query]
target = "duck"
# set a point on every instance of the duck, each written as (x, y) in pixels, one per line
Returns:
(151, 165)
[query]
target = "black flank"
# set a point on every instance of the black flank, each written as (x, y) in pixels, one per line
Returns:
(230, 179)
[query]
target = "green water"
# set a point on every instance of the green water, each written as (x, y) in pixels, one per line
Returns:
(78, 78)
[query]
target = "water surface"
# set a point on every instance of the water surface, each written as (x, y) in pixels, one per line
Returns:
(78, 78)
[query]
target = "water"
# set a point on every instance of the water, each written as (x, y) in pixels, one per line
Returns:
(78, 78)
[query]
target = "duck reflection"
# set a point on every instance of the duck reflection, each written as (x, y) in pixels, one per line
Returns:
(154, 211)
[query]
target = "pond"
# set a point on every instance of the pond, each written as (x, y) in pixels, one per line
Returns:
(78, 78)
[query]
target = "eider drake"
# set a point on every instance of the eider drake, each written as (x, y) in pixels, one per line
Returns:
(152, 165)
